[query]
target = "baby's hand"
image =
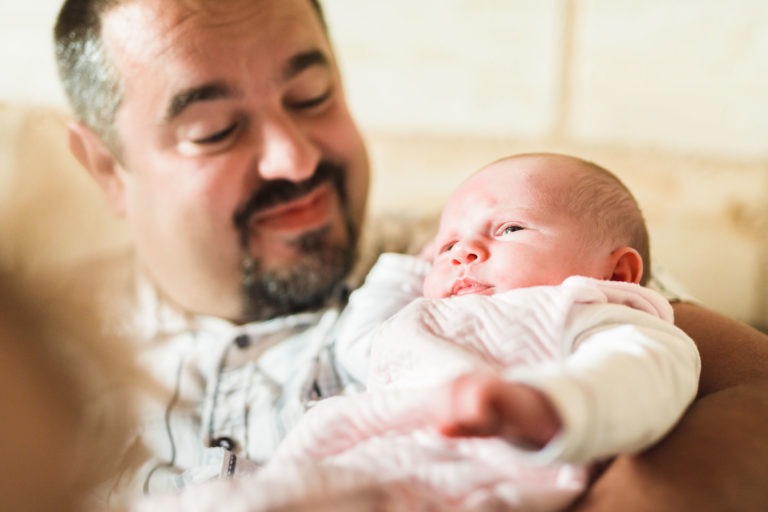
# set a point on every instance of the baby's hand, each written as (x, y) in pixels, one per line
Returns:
(483, 405)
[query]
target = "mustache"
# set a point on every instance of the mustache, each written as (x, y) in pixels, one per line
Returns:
(275, 192)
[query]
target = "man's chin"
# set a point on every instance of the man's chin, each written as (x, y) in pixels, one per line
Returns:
(282, 256)
(304, 280)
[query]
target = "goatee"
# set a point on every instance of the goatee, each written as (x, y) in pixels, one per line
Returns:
(321, 265)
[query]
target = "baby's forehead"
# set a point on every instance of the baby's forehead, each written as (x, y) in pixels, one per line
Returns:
(536, 168)
(497, 198)
(514, 178)
(535, 184)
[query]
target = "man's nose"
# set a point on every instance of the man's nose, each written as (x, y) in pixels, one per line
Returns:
(287, 152)
(467, 252)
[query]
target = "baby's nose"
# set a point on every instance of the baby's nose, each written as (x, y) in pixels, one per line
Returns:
(465, 253)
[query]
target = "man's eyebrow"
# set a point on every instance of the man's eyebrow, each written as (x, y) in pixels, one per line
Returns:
(219, 90)
(304, 60)
(205, 92)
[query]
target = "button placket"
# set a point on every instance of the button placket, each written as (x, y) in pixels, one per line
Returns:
(243, 341)
(225, 442)
(229, 407)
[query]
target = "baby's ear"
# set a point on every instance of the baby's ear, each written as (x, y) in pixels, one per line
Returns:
(627, 265)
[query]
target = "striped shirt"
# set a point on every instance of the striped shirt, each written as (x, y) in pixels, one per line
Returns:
(230, 392)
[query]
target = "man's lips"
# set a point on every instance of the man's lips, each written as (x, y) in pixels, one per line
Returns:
(307, 212)
(467, 286)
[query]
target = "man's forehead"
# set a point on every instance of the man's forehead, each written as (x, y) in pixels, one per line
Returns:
(147, 28)
(186, 49)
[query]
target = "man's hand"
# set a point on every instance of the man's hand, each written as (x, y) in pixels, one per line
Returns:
(715, 459)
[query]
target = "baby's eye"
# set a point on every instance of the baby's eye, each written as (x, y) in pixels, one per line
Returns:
(508, 229)
(447, 247)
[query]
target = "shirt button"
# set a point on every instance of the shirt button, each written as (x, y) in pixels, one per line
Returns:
(243, 341)
(223, 442)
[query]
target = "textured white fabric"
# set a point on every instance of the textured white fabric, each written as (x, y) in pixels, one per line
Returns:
(394, 281)
(217, 389)
(607, 355)
(343, 465)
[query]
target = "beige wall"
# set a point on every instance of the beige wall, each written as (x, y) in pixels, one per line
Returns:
(671, 95)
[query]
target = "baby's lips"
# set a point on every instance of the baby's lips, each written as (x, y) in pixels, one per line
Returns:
(466, 286)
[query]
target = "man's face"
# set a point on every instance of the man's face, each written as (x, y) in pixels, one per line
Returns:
(238, 151)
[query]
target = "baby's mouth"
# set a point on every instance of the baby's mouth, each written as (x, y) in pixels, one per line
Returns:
(467, 286)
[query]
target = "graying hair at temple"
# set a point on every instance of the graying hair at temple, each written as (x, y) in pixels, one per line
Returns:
(90, 81)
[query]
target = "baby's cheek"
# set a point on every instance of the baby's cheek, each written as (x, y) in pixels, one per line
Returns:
(434, 284)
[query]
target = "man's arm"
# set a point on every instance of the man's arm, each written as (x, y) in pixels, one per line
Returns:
(714, 459)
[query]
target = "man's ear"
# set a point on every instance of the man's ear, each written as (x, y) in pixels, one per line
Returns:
(93, 154)
(627, 265)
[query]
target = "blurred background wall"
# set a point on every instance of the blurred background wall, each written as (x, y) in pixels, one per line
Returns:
(670, 95)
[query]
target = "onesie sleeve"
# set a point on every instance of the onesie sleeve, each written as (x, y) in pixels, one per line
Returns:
(627, 382)
(393, 282)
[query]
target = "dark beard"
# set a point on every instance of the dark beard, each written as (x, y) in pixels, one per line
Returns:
(321, 266)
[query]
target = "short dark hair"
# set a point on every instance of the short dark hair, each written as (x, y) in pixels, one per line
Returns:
(91, 83)
(600, 196)
(89, 80)
(607, 204)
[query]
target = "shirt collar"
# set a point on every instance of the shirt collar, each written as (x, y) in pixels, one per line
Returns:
(157, 317)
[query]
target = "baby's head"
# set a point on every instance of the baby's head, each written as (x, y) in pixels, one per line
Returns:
(536, 219)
